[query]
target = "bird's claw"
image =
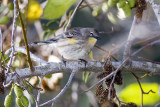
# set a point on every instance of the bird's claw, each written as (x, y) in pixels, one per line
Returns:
(83, 60)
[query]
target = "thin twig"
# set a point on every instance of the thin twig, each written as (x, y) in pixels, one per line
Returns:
(73, 14)
(37, 105)
(107, 32)
(108, 52)
(21, 80)
(25, 40)
(40, 85)
(12, 38)
(40, 89)
(63, 90)
(2, 54)
(90, 95)
(100, 81)
(130, 40)
(147, 45)
(140, 88)
(144, 59)
(115, 73)
(23, 50)
(93, 4)
(1, 38)
(128, 59)
(147, 40)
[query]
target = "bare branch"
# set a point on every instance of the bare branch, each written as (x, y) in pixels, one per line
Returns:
(91, 66)
(63, 90)
(23, 50)
(73, 14)
(25, 39)
(130, 40)
(1, 38)
(40, 85)
(149, 44)
(90, 95)
(156, 9)
(12, 38)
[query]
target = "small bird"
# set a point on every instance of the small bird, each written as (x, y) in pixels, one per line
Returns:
(74, 44)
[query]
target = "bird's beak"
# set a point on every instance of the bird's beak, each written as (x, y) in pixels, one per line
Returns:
(97, 37)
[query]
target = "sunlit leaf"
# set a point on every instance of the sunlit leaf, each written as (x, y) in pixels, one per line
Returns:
(56, 8)
(132, 93)
(48, 76)
(86, 75)
(91, 56)
(4, 20)
(112, 18)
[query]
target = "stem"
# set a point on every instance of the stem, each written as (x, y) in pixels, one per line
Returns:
(73, 14)
(25, 40)
(12, 37)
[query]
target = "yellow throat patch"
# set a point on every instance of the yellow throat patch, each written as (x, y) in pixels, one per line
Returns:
(92, 41)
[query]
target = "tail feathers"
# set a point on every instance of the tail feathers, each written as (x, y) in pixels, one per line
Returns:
(43, 42)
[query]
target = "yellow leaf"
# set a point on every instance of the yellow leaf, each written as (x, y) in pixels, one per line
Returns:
(132, 93)
(34, 11)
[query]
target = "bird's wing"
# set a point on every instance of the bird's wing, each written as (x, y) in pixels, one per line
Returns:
(73, 32)
(49, 41)
(68, 34)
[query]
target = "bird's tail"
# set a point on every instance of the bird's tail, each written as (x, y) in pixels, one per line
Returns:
(50, 41)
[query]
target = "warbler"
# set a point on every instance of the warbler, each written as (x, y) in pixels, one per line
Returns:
(74, 44)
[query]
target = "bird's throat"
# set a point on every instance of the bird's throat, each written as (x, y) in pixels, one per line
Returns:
(92, 41)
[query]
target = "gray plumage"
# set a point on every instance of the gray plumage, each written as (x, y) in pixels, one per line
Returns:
(74, 44)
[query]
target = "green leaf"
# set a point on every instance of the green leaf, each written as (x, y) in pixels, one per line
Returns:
(8, 100)
(10, 6)
(4, 20)
(18, 91)
(56, 8)
(4, 56)
(48, 76)
(91, 56)
(86, 76)
(24, 101)
(18, 101)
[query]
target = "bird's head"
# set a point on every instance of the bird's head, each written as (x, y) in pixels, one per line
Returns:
(90, 32)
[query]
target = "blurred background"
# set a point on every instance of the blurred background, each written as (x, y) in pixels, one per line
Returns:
(41, 25)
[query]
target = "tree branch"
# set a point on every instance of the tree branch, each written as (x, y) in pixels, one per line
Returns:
(23, 50)
(91, 66)
(12, 37)
(130, 40)
(156, 9)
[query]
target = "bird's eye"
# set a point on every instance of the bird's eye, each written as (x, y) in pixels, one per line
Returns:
(91, 34)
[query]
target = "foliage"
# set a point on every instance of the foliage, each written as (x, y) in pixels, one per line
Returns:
(56, 8)
(55, 14)
(132, 93)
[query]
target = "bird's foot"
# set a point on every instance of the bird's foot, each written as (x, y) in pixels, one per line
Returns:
(64, 61)
(83, 60)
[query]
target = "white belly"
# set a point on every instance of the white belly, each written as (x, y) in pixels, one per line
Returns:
(74, 51)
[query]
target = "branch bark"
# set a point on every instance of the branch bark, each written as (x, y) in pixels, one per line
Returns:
(91, 66)
(156, 9)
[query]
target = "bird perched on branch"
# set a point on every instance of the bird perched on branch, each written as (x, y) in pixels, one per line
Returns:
(74, 44)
